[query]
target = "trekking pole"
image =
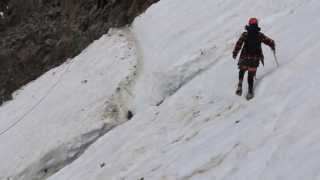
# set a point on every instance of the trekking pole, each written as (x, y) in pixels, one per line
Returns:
(275, 58)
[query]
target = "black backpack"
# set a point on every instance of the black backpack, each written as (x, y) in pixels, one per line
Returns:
(252, 44)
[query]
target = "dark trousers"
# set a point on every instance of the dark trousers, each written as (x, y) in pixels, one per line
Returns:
(251, 75)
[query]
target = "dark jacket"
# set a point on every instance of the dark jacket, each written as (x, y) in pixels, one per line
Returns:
(250, 43)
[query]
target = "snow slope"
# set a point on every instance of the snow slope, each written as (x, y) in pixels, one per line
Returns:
(201, 130)
(52, 121)
(187, 123)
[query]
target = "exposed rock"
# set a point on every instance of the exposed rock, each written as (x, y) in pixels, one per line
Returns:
(37, 35)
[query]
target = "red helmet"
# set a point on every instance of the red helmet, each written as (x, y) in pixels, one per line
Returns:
(253, 21)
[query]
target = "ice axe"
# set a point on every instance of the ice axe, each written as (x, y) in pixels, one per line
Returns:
(275, 58)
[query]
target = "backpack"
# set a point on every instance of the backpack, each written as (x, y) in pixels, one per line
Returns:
(252, 42)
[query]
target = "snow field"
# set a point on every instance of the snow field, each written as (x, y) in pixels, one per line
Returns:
(201, 130)
(53, 119)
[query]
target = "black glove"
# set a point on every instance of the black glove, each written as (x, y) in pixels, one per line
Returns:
(234, 55)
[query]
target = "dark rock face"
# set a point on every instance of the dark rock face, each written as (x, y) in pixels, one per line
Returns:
(37, 35)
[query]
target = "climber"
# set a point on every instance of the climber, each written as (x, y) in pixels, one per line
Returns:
(251, 54)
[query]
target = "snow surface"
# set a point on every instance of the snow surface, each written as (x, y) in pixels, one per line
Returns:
(188, 123)
(52, 119)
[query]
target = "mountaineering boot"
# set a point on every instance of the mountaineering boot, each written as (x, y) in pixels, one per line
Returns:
(250, 95)
(239, 89)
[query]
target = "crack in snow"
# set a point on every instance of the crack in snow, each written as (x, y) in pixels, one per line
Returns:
(119, 106)
(181, 75)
